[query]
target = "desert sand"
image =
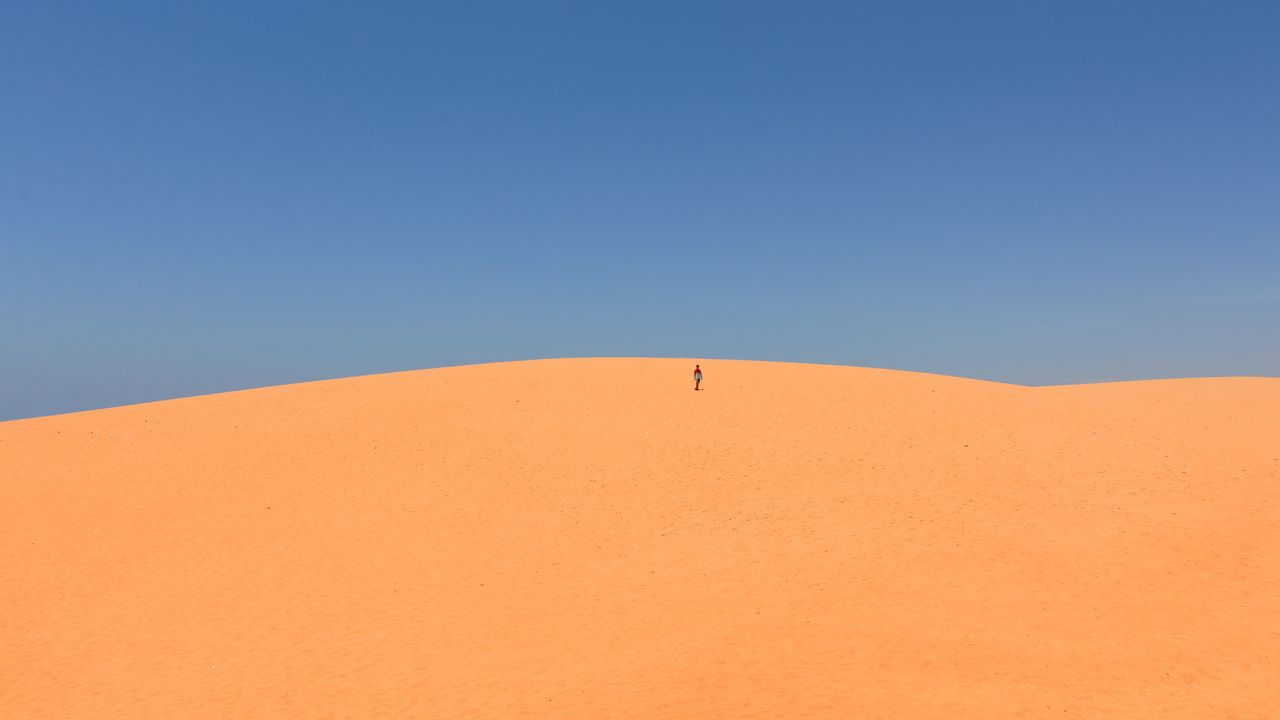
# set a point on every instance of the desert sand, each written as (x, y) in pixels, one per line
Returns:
(593, 539)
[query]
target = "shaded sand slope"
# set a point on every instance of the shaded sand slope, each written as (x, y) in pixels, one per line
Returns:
(593, 539)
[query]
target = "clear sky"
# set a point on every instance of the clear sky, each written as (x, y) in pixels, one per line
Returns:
(198, 197)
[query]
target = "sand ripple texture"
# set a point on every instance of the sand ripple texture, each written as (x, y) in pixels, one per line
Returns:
(594, 539)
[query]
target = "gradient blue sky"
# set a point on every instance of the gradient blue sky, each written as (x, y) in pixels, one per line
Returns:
(198, 197)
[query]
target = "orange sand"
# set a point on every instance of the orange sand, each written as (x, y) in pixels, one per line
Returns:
(593, 539)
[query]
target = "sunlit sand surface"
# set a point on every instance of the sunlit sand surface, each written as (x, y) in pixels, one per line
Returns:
(594, 539)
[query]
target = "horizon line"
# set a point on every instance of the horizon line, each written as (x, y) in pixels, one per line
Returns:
(340, 378)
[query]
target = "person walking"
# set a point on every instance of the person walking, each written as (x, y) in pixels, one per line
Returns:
(697, 377)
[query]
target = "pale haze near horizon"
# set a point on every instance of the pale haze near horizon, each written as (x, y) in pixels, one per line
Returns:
(232, 195)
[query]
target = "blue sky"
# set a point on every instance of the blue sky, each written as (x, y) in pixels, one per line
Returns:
(198, 197)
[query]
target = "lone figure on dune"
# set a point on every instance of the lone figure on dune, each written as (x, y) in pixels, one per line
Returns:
(697, 376)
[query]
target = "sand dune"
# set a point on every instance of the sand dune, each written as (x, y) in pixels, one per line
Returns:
(593, 539)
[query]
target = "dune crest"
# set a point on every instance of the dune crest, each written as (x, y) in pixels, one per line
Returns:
(594, 539)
